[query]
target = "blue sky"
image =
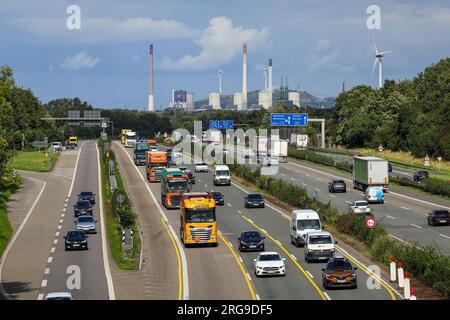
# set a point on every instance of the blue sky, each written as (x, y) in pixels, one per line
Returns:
(315, 43)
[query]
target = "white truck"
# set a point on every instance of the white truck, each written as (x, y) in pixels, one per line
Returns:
(280, 149)
(130, 139)
(370, 172)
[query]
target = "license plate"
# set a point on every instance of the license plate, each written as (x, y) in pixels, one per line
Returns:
(443, 221)
(76, 245)
(341, 281)
(252, 246)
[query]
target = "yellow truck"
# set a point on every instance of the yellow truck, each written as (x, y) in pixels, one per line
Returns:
(124, 132)
(73, 140)
(198, 224)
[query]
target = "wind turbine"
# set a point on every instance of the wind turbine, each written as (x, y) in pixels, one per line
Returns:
(265, 79)
(378, 59)
(219, 75)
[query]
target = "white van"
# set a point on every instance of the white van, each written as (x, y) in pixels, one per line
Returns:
(222, 175)
(374, 195)
(319, 246)
(302, 222)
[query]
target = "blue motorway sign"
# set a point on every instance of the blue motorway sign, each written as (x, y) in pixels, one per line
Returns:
(289, 119)
(221, 124)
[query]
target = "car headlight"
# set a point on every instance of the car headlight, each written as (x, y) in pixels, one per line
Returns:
(258, 267)
(261, 242)
(328, 276)
(310, 250)
(84, 241)
(353, 275)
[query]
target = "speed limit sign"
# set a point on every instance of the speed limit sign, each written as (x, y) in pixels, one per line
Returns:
(371, 222)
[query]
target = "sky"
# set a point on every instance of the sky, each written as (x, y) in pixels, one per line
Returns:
(316, 44)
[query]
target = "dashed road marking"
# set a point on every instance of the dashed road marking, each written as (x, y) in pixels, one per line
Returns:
(59, 227)
(67, 199)
(309, 274)
(50, 259)
(44, 283)
(257, 297)
(443, 235)
(47, 271)
(249, 278)
(228, 204)
(61, 220)
(231, 245)
(293, 256)
(55, 241)
(52, 249)
(304, 184)
(318, 190)
(57, 234)
(206, 186)
(62, 215)
(65, 204)
(40, 296)
(307, 175)
(240, 259)
(390, 217)
(239, 211)
(64, 209)
(416, 226)
(405, 208)
(292, 179)
(332, 196)
(326, 295)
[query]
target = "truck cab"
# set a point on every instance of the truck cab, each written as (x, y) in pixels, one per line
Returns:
(302, 222)
(174, 183)
(140, 152)
(222, 175)
(130, 139)
(73, 140)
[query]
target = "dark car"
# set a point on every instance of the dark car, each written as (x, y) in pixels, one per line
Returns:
(251, 240)
(191, 177)
(339, 272)
(70, 146)
(389, 167)
(82, 207)
(420, 175)
(254, 200)
(75, 240)
(337, 186)
(439, 217)
(87, 195)
(218, 198)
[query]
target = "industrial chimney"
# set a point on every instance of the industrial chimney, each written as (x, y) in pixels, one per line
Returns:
(244, 77)
(151, 98)
(270, 83)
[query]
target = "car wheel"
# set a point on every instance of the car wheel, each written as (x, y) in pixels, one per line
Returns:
(263, 206)
(355, 286)
(429, 223)
(382, 201)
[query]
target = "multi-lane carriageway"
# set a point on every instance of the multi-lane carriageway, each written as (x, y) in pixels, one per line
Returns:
(223, 272)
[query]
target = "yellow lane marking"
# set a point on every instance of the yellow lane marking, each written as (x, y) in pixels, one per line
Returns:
(290, 257)
(180, 280)
(244, 273)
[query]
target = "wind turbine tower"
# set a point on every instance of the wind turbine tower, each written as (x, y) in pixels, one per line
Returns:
(379, 59)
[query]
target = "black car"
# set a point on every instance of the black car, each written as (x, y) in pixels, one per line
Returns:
(87, 195)
(420, 175)
(439, 217)
(218, 198)
(191, 177)
(337, 186)
(70, 146)
(74, 240)
(389, 167)
(82, 207)
(254, 200)
(251, 240)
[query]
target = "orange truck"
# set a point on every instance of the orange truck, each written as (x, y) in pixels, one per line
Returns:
(156, 161)
(174, 183)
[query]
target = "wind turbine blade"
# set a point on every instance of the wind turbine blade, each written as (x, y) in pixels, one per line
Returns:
(374, 44)
(374, 65)
(384, 52)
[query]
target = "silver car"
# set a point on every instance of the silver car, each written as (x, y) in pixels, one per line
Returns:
(359, 206)
(86, 223)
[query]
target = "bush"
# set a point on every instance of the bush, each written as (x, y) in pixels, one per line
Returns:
(436, 186)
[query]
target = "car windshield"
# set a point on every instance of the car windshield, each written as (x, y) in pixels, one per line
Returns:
(177, 185)
(85, 219)
(200, 215)
(269, 257)
(76, 236)
(85, 194)
(339, 182)
(216, 195)
(200, 164)
(251, 235)
(308, 224)
(320, 239)
(222, 173)
(255, 196)
(83, 203)
(361, 204)
(142, 147)
(58, 298)
(340, 265)
(441, 213)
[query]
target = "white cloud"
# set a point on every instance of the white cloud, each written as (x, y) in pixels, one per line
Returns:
(219, 43)
(79, 61)
(95, 30)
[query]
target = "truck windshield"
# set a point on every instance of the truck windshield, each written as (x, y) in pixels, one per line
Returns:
(200, 215)
(142, 147)
(177, 185)
(320, 240)
(308, 224)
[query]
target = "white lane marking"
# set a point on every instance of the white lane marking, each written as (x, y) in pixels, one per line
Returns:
(11, 243)
(50, 259)
(326, 295)
(405, 208)
(293, 256)
(61, 220)
(67, 200)
(239, 211)
(52, 250)
(318, 190)
(416, 226)
(304, 184)
(62, 215)
(62, 176)
(249, 278)
(64, 209)
(309, 274)
(47, 271)
(231, 245)
(65, 205)
(55, 241)
(206, 186)
(390, 192)
(40, 296)
(44, 283)
(109, 281)
(174, 234)
(258, 297)
(332, 196)
(57, 234)
(199, 180)
(74, 174)
(348, 202)
(443, 235)
(240, 259)
(228, 204)
(390, 217)
(59, 227)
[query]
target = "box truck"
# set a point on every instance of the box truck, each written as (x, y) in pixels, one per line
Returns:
(280, 150)
(370, 172)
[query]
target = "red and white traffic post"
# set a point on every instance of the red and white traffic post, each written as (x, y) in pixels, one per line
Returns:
(400, 274)
(413, 295)
(393, 269)
(406, 286)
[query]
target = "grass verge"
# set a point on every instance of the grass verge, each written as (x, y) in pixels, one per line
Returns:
(127, 260)
(33, 161)
(8, 187)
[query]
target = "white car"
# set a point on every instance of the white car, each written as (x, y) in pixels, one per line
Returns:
(57, 146)
(59, 296)
(201, 167)
(359, 206)
(269, 263)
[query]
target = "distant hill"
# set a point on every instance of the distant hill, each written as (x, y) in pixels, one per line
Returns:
(306, 99)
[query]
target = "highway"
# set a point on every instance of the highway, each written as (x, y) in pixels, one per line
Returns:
(303, 280)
